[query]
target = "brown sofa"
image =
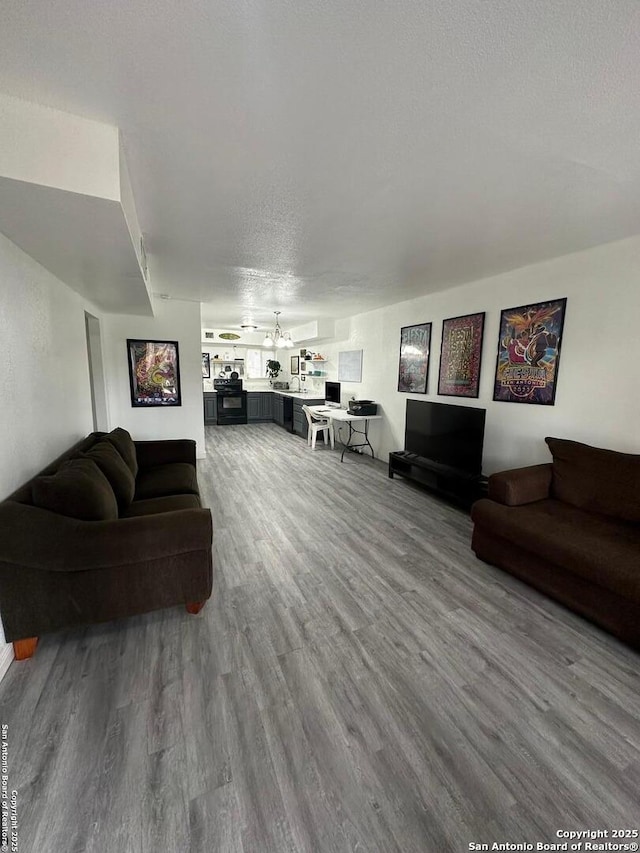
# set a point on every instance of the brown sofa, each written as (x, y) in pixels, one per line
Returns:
(571, 529)
(112, 528)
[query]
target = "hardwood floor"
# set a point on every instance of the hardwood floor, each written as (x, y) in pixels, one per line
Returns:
(358, 682)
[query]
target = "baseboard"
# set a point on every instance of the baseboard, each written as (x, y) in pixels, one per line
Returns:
(6, 658)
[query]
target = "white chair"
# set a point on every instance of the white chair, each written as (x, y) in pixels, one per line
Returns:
(318, 423)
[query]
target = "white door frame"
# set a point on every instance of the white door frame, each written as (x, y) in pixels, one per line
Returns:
(96, 373)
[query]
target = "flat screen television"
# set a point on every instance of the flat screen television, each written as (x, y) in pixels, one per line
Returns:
(332, 393)
(449, 435)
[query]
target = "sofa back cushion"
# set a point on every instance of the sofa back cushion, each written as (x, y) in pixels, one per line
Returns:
(123, 443)
(23, 494)
(596, 480)
(78, 489)
(115, 469)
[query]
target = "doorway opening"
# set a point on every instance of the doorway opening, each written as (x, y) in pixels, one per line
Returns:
(96, 373)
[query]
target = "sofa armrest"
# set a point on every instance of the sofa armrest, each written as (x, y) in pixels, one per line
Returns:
(521, 485)
(44, 540)
(150, 453)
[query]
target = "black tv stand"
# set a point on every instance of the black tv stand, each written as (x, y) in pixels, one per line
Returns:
(456, 485)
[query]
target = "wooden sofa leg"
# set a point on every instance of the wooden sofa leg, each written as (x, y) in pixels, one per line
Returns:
(24, 649)
(195, 606)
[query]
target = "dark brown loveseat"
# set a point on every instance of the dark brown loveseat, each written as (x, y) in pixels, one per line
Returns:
(572, 530)
(112, 528)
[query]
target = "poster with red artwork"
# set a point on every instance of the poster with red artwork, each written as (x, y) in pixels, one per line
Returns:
(460, 356)
(529, 353)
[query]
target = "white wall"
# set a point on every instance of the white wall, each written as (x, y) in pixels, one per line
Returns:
(598, 391)
(45, 400)
(173, 321)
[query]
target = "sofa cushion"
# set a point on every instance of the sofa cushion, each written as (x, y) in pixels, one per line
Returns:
(596, 480)
(115, 469)
(596, 547)
(123, 443)
(174, 478)
(78, 489)
(170, 503)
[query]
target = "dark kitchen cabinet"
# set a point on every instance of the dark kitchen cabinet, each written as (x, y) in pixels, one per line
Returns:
(259, 406)
(253, 406)
(210, 407)
(278, 409)
(266, 406)
(300, 426)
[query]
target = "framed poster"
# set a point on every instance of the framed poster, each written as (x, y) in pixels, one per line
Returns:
(295, 365)
(529, 353)
(350, 366)
(154, 373)
(206, 365)
(413, 371)
(460, 355)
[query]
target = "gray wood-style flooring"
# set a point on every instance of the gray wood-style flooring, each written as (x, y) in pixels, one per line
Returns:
(358, 682)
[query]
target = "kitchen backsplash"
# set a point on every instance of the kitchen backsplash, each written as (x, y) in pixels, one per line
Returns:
(314, 385)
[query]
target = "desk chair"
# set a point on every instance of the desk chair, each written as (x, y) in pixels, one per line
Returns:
(318, 423)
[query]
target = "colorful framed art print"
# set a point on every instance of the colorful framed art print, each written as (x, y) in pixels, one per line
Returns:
(529, 353)
(460, 356)
(413, 370)
(154, 373)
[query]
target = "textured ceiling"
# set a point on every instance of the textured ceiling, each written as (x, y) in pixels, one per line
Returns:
(323, 158)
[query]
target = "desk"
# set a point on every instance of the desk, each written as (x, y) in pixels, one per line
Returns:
(343, 416)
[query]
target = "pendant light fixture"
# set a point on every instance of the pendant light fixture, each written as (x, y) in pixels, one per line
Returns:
(277, 338)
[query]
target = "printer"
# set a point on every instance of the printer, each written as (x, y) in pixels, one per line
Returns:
(363, 407)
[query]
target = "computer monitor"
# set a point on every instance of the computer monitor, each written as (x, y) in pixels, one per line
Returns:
(332, 394)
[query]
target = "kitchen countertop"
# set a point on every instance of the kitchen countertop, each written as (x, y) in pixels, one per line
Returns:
(302, 395)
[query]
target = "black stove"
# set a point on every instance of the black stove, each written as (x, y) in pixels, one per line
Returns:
(224, 384)
(232, 401)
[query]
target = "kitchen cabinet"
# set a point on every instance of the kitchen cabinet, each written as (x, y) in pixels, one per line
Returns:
(266, 406)
(259, 406)
(210, 407)
(278, 409)
(253, 406)
(300, 426)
